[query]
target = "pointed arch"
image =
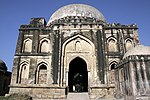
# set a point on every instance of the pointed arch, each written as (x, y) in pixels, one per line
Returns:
(77, 46)
(128, 44)
(41, 74)
(24, 72)
(79, 51)
(81, 57)
(27, 45)
(112, 65)
(111, 74)
(112, 44)
(78, 75)
(75, 37)
(44, 45)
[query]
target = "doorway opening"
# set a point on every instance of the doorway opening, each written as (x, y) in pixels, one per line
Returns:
(78, 76)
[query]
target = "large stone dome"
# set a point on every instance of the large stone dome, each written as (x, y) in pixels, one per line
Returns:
(138, 50)
(76, 10)
(2, 65)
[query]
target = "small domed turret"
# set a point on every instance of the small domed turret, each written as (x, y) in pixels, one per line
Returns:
(2, 65)
(138, 50)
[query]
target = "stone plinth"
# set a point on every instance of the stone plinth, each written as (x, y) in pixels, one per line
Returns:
(40, 91)
(104, 91)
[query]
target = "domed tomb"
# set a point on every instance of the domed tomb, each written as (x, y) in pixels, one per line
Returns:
(138, 50)
(2, 65)
(77, 10)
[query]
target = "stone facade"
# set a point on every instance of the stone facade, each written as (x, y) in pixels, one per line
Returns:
(5, 77)
(49, 57)
(133, 74)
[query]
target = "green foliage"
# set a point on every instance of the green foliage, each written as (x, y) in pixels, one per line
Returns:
(3, 98)
(16, 96)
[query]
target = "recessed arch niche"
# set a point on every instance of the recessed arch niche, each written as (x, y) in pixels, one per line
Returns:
(78, 75)
(74, 48)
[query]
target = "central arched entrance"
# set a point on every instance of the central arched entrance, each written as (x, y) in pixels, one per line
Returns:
(78, 76)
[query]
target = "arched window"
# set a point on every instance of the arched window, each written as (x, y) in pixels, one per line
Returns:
(42, 74)
(78, 46)
(24, 72)
(112, 45)
(44, 45)
(27, 45)
(128, 44)
(112, 67)
(111, 72)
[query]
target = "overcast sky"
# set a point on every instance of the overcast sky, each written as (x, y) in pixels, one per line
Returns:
(14, 13)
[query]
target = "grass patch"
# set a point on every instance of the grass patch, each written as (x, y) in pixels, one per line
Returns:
(16, 96)
(3, 98)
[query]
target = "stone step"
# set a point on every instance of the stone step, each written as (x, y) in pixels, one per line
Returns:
(78, 96)
(107, 99)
